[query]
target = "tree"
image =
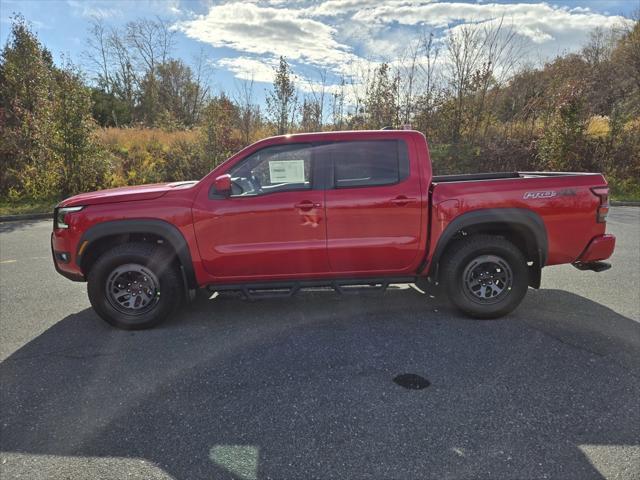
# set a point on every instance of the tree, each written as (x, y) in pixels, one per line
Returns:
(381, 101)
(338, 105)
(125, 63)
(281, 101)
(248, 110)
(27, 89)
(312, 110)
(151, 41)
(310, 115)
(172, 96)
(82, 162)
(218, 141)
(561, 146)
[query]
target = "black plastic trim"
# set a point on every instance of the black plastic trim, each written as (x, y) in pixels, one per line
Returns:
(521, 217)
(593, 266)
(474, 177)
(74, 277)
(278, 289)
(160, 228)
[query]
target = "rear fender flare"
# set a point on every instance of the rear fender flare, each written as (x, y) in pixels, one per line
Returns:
(518, 218)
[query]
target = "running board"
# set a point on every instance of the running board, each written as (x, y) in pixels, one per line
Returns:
(256, 291)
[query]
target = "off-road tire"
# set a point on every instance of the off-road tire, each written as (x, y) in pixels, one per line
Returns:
(154, 260)
(457, 267)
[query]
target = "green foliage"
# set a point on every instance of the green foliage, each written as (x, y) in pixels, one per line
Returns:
(580, 112)
(218, 139)
(381, 101)
(109, 110)
(83, 163)
(562, 144)
(29, 164)
(47, 142)
(185, 161)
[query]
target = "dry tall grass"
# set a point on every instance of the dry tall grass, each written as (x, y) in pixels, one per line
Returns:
(128, 137)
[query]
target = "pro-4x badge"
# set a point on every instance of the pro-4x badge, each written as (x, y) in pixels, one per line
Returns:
(537, 195)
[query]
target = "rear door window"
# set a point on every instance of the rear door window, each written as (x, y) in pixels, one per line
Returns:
(369, 163)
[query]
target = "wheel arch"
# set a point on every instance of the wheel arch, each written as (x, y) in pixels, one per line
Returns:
(102, 236)
(521, 226)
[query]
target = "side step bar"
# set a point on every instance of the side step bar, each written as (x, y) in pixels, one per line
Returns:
(593, 266)
(255, 291)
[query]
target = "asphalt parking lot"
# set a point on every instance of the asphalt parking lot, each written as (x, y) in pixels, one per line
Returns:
(303, 387)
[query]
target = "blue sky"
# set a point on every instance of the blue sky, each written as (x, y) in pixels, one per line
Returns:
(243, 40)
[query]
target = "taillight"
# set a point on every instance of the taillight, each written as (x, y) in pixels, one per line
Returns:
(603, 208)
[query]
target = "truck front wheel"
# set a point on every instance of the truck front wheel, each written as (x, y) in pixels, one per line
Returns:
(485, 276)
(134, 286)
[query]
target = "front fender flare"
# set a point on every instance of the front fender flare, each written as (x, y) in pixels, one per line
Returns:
(160, 228)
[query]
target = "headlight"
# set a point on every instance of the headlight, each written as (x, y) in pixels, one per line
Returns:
(61, 213)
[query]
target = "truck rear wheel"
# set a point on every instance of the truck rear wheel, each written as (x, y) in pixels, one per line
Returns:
(134, 286)
(485, 276)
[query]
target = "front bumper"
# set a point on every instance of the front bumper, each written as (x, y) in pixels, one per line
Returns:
(67, 268)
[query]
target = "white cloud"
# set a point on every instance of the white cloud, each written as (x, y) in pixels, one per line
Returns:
(98, 9)
(105, 9)
(260, 69)
(247, 68)
(339, 7)
(251, 28)
(339, 34)
(539, 22)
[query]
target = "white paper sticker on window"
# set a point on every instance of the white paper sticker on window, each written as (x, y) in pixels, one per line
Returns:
(286, 171)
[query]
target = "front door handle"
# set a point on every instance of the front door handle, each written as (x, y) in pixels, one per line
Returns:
(306, 205)
(401, 200)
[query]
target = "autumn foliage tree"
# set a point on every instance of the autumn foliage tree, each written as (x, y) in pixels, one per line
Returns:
(143, 116)
(47, 145)
(281, 100)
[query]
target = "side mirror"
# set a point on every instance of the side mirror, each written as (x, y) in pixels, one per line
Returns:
(222, 184)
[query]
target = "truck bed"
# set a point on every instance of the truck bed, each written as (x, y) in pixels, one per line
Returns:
(474, 177)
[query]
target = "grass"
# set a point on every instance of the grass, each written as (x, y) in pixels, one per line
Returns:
(128, 137)
(26, 206)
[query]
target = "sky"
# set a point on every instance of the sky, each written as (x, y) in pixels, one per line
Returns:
(244, 39)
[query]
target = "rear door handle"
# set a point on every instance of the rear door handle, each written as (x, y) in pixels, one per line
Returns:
(401, 200)
(306, 205)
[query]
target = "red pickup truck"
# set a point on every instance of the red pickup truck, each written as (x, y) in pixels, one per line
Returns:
(335, 209)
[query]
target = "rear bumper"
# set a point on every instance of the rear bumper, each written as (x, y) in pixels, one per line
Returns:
(599, 248)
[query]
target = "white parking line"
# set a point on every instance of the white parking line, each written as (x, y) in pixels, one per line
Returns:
(28, 258)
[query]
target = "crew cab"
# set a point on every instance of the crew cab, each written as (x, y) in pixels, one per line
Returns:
(335, 209)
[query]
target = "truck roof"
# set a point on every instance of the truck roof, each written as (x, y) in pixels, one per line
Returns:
(343, 135)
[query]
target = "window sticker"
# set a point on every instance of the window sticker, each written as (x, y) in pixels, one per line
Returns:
(286, 171)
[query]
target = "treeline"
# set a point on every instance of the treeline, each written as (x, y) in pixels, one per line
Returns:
(140, 115)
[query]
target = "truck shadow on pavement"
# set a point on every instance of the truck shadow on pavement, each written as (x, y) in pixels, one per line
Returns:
(302, 388)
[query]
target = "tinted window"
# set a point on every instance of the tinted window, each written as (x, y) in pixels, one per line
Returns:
(369, 163)
(273, 169)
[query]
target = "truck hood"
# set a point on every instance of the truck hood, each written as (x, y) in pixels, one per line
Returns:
(124, 194)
